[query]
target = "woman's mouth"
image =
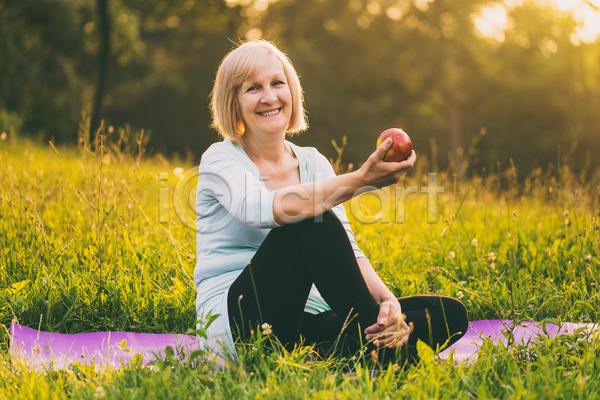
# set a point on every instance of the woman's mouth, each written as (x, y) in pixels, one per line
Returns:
(269, 113)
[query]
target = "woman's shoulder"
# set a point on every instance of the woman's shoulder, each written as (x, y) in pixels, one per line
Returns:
(224, 146)
(310, 154)
(224, 150)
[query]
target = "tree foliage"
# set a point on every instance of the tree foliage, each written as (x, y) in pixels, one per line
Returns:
(467, 100)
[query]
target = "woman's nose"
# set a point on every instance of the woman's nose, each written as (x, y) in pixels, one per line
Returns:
(269, 96)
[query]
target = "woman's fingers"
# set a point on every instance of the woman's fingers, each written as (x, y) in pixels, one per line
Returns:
(410, 161)
(390, 330)
(400, 330)
(386, 317)
(380, 173)
(391, 338)
(384, 314)
(404, 333)
(385, 342)
(403, 167)
(383, 148)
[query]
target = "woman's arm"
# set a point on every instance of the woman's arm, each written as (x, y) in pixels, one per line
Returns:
(295, 203)
(378, 289)
(390, 329)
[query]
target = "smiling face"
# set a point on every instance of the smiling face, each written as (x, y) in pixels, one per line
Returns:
(265, 100)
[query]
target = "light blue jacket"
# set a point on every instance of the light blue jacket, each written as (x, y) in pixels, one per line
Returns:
(234, 215)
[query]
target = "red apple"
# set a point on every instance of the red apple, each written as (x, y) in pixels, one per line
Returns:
(401, 145)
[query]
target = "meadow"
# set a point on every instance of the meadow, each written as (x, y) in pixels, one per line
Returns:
(82, 249)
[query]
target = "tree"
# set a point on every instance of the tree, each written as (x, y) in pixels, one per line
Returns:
(369, 65)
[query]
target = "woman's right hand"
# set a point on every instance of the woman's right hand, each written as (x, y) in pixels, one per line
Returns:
(379, 173)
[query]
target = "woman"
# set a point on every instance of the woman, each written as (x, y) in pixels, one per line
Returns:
(274, 245)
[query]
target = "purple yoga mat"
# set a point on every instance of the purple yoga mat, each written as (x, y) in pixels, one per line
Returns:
(107, 349)
(499, 330)
(101, 349)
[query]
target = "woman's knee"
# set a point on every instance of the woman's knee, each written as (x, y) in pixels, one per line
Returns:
(452, 311)
(456, 312)
(326, 222)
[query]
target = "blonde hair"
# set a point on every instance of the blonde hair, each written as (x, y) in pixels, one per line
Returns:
(238, 66)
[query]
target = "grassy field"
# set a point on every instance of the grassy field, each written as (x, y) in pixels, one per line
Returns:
(82, 250)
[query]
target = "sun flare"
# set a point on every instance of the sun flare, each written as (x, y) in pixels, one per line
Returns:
(493, 19)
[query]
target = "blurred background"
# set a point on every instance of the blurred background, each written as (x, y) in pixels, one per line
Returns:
(474, 83)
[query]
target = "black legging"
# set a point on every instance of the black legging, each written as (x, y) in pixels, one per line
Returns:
(276, 283)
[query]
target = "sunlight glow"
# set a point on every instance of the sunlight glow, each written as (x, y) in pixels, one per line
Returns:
(260, 5)
(492, 20)
(394, 13)
(422, 5)
(254, 34)
(374, 8)
(585, 13)
(589, 22)
(587, 16)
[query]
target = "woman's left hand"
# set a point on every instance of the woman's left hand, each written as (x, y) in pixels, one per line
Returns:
(390, 329)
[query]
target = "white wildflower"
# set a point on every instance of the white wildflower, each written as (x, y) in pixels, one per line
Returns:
(99, 393)
(178, 172)
(460, 294)
(451, 255)
(588, 257)
(474, 242)
(492, 256)
(267, 331)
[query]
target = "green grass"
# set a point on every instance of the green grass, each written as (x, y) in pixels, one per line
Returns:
(81, 250)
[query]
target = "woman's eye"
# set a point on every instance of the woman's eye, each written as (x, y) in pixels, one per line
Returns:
(278, 83)
(251, 88)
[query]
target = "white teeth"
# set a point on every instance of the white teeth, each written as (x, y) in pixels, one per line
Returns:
(266, 114)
